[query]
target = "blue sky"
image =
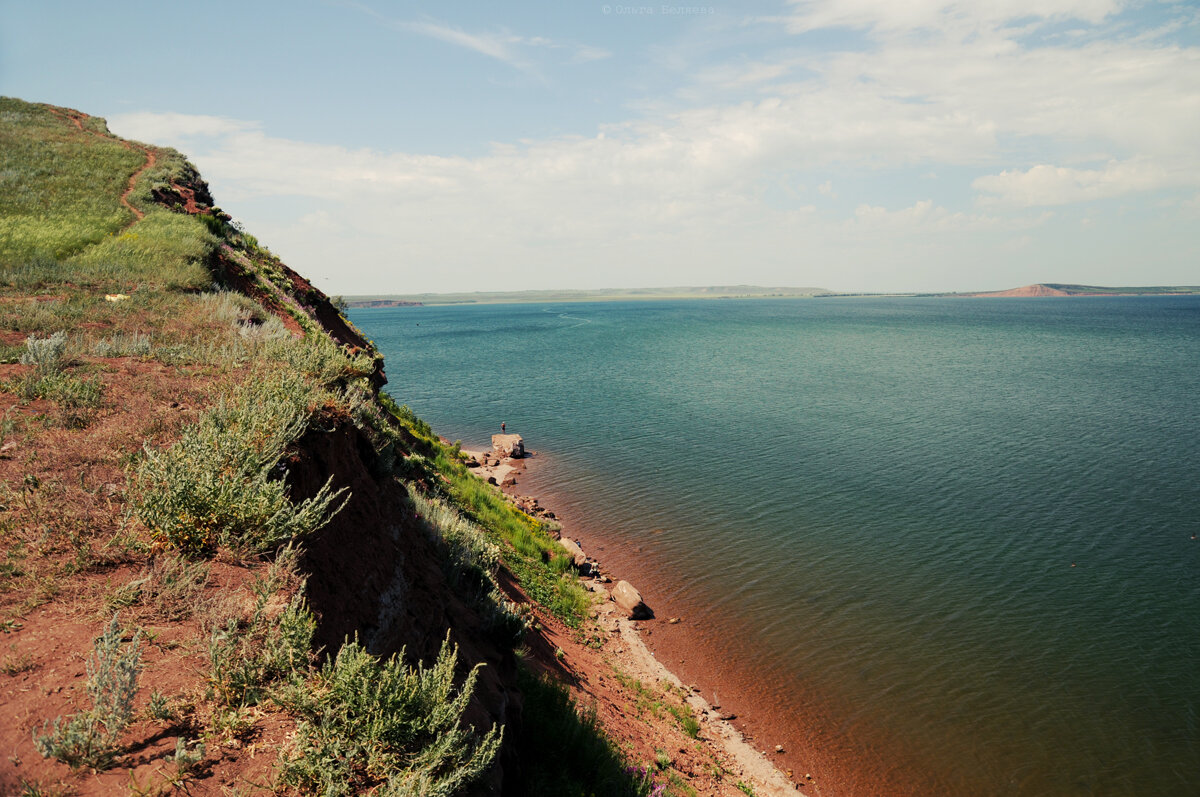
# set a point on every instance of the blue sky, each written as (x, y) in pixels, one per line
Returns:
(857, 145)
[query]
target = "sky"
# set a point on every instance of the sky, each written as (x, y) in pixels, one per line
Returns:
(855, 145)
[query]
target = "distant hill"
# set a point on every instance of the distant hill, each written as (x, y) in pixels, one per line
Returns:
(1058, 289)
(601, 295)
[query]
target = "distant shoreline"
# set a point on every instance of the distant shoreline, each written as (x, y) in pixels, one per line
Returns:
(1038, 290)
(599, 295)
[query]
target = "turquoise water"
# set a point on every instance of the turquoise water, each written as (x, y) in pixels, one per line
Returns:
(965, 525)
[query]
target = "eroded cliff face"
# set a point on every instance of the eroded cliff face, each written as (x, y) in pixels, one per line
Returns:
(376, 575)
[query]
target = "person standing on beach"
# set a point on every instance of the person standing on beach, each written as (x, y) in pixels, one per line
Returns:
(501, 427)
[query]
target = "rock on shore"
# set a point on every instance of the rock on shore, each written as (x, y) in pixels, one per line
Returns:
(508, 445)
(630, 601)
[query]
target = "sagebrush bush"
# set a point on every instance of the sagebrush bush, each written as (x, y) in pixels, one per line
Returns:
(133, 344)
(222, 484)
(90, 738)
(321, 359)
(388, 728)
(45, 355)
(246, 659)
(273, 646)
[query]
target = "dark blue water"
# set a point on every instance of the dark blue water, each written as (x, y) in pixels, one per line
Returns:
(967, 524)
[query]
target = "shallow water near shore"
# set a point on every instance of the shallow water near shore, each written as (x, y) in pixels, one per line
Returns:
(964, 526)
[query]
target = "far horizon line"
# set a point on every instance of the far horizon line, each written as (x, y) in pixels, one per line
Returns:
(1033, 290)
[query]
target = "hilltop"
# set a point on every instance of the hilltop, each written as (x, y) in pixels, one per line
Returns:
(231, 562)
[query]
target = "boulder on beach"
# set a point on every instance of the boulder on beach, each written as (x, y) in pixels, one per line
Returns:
(508, 445)
(630, 601)
(576, 553)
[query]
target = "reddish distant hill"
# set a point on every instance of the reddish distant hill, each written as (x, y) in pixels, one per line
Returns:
(1028, 290)
(1054, 289)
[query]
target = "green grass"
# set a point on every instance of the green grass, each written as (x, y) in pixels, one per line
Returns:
(167, 250)
(60, 187)
(563, 749)
(686, 719)
(471, 560)
(61, 217)
(529, 552)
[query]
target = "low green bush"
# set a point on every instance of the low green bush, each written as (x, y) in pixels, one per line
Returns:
(247, 659)
(388, 729)
(272, 648)
(169, 588)
(472, 561)
(564, 748)
(222, 484)
(133, 344)
(77, 398)
(90, 738)
(319, 358)
(45, 355)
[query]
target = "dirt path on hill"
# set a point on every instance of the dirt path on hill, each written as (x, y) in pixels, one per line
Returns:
(76, 118)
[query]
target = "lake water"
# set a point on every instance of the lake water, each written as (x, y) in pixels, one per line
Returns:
(964, 526)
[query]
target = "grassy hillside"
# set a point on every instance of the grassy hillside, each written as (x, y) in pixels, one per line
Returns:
(229, 563)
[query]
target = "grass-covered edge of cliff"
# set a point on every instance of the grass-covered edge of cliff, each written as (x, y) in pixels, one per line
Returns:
(66, 241)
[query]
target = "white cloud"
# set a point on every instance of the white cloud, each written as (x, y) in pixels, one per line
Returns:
(495, 45)
(157, 127)
(1057, 185)
(925, 216)
(948, 88)
(958, 16)
(502, 45)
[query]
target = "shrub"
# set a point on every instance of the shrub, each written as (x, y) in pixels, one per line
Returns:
(318, 357)
(45, 354)
(222, 483)
(77, 398)
(388, 727)
(90, 738)
(273, 646)
(187, 756)
(133, 344)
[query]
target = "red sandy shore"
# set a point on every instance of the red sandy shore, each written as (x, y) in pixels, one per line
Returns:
(815, 741)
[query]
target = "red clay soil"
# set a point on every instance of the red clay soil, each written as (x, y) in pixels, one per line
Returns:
(65, 522)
